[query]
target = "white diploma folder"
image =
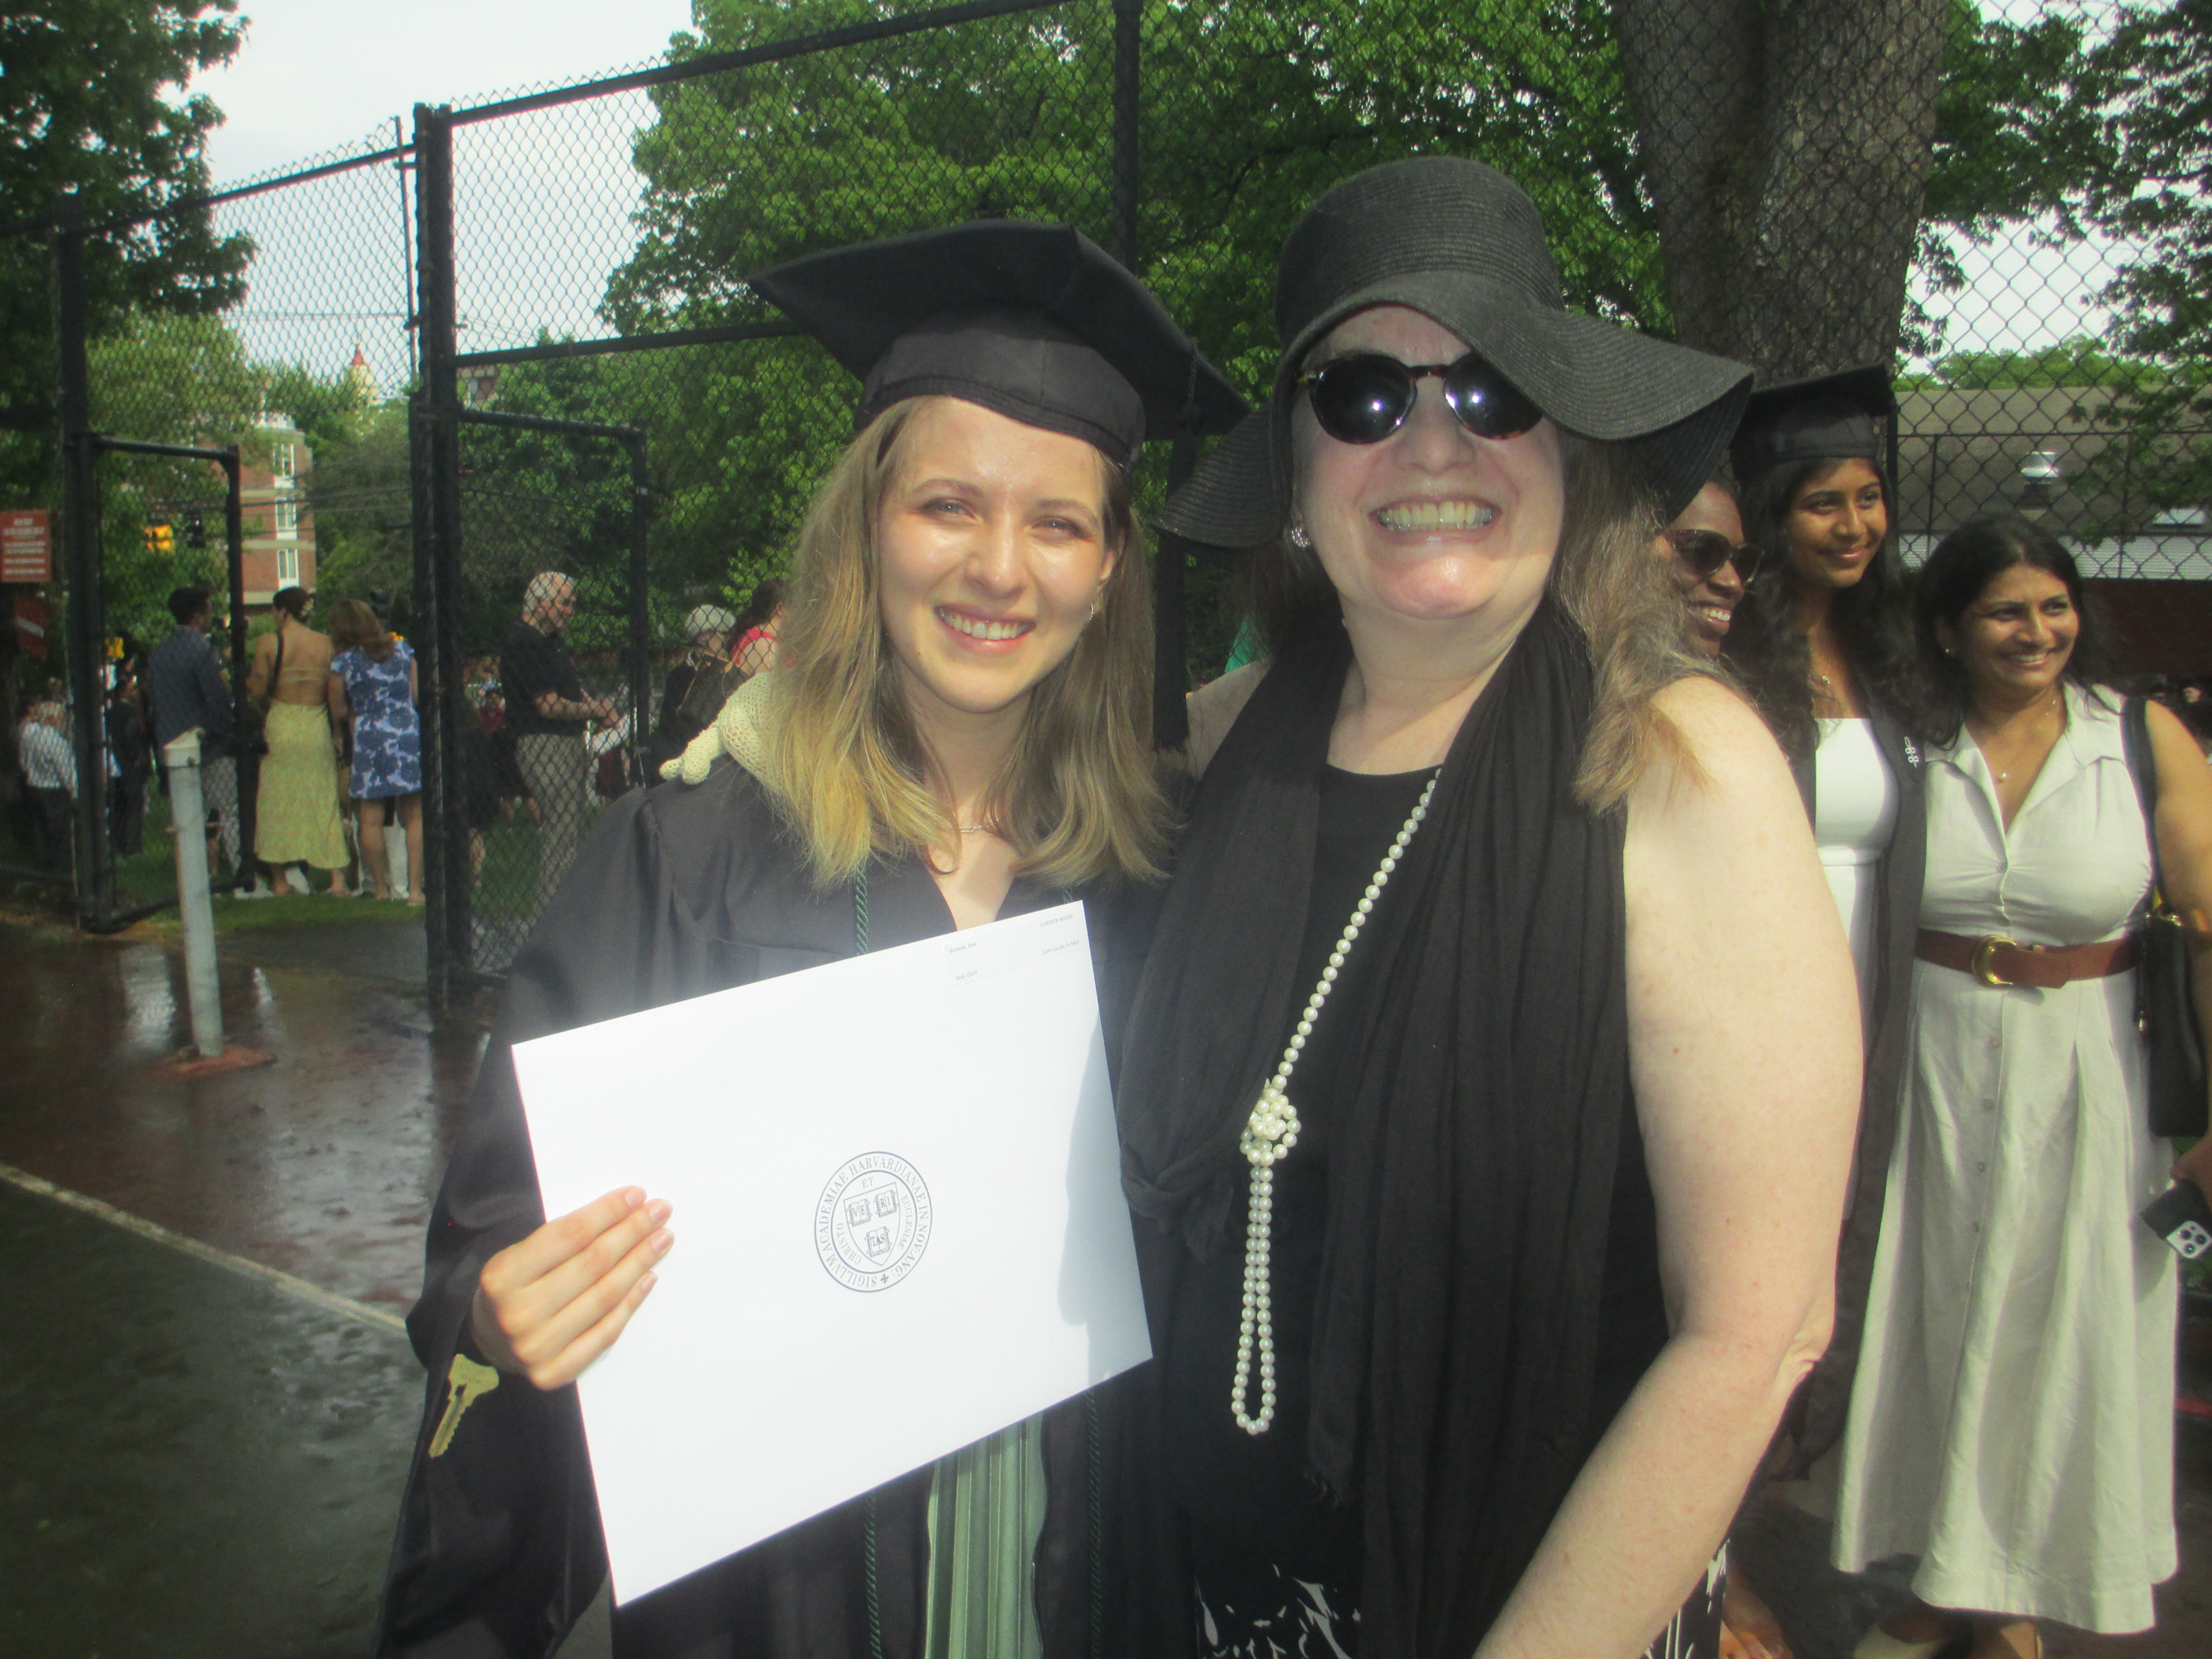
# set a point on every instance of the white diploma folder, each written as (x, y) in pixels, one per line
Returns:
(899, 1227)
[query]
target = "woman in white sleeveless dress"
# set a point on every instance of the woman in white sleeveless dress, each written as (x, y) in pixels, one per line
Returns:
(1823, 642)
(2011, 1422)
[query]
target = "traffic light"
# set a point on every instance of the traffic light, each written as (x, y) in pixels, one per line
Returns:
(196, 533)
(160, 537)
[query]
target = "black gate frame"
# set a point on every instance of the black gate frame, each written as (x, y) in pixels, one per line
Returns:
(85, 619)
(450, 939)
(438, 415)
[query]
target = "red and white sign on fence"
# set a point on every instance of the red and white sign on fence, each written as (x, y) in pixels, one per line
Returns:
(34, 625)
(27, 547)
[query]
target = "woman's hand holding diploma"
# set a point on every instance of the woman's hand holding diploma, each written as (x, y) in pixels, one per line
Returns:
(548, 1307)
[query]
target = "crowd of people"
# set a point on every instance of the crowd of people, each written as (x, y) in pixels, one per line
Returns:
(1626, 1001)
(1997, 1401)
(331, 758)
(1629, 998)
(329, 750)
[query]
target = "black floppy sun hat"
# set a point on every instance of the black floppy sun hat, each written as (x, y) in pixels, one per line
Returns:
(1462, 244)
(1035, 322)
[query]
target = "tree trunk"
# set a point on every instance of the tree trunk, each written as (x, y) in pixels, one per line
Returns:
(1787, 145)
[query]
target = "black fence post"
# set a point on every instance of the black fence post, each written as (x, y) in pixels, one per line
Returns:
(1170, 623)
(437, 492)
(245, 764)
(641, 623)
(84, 635)
(1128, 57)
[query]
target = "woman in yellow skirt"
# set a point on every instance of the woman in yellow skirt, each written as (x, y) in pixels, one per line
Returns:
(297, 817)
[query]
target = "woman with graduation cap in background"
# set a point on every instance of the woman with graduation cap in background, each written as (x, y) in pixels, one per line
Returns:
(958, 733)
(1823, 642)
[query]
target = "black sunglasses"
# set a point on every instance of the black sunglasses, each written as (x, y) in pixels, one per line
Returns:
(1362, 399)
(1704, 551)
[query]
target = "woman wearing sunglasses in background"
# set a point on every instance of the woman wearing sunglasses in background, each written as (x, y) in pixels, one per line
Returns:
(1704, 549)
(1480, 1256)
(1823, 642)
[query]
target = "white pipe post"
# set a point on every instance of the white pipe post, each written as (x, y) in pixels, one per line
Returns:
(188, 819)
(395, 852)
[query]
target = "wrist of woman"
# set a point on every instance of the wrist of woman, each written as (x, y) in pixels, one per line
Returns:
(484, 1336)
(2195, 1164)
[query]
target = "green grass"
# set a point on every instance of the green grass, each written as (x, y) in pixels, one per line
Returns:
(507, 886)
(289, 909)
(150, 872)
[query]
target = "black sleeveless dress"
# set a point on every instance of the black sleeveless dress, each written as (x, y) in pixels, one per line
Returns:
(1276, 1556)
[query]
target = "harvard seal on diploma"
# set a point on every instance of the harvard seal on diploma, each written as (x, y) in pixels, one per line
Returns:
(872, 1222)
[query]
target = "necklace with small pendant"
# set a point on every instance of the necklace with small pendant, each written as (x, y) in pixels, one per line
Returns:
(2054, 703)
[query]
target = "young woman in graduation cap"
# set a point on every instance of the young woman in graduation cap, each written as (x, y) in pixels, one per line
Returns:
(958, 733)
(1486, 1095)
(1823, 642)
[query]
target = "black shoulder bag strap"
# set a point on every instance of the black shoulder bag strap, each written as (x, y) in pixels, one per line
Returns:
(2134, 739)
(2166, 1010)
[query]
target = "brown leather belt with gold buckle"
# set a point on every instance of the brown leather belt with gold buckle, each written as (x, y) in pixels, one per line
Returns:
(1998, 961)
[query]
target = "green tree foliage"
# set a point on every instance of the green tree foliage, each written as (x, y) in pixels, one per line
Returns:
(362, 502)
(542, 501)
(186, 380)
(1249, 113)
(91, 101)
(2016, 145)
(2078, 364)
(2152, 81)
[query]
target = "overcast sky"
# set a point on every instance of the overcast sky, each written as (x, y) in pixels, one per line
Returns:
(314, 74)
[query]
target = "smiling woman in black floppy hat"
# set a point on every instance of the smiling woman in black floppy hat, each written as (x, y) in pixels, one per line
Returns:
(1486, 1098)
(957, 730)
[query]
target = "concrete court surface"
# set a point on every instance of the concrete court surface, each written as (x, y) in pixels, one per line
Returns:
(202, 1457)
(195, 1462)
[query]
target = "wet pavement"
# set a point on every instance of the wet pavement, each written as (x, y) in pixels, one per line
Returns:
(194, 1462)
(202, 1457)
(198, 1460)
(323, 1164)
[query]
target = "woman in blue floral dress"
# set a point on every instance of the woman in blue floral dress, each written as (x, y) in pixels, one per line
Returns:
(372, 683)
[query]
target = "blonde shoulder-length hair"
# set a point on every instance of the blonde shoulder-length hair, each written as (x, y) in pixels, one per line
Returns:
(1079, 797)
(1611, 585)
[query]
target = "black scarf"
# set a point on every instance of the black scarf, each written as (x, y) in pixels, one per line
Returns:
(1471, 1169)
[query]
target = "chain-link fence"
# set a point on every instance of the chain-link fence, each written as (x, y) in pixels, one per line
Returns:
(187, 443)
(570, 376)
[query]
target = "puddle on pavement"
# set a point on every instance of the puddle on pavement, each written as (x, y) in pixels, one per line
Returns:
(324, 1164)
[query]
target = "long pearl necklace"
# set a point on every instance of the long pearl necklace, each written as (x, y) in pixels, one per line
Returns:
(1268, 1137)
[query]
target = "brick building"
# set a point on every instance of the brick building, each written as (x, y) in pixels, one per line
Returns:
(279, 531)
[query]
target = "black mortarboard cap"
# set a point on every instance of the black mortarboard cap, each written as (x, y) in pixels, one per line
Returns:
(1036, 322)
(1829, 417)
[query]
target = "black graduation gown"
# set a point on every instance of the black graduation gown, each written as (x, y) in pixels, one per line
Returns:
(682, 891)
(1824, 1400)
